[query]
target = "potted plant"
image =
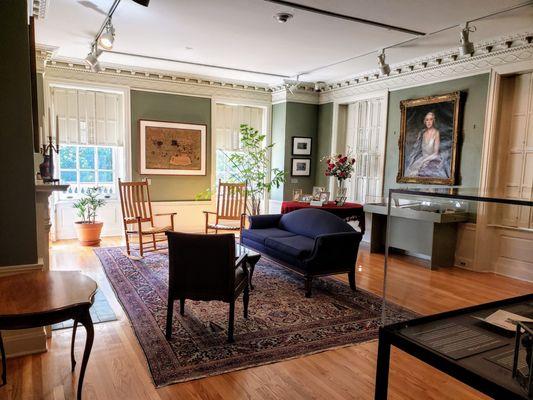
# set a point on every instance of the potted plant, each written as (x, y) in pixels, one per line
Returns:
(88, 229)
(252, 164)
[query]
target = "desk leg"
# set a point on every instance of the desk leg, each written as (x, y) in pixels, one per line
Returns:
(382, 368)
(86, 321)
(72, 359)
(4, 364)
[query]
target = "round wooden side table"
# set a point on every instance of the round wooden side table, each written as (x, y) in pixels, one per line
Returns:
(34, 299)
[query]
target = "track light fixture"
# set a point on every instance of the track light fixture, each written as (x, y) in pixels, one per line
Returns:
(107, 37)
(467, 47)
(92, 58)
(384, 68)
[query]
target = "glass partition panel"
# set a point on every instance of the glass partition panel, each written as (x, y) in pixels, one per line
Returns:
(450, 248)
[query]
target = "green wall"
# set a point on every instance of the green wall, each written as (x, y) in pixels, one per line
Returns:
(288, 120)
(475, 89)
(18, 242)
(174, 108)
(323, 142)
(301, 120)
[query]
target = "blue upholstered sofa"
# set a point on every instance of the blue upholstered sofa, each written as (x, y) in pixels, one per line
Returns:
(309, 241)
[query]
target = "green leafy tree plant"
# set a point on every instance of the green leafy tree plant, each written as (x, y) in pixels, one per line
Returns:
(87, 206)
(251, 164)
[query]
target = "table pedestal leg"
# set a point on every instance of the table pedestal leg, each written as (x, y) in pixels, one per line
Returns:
(72, 359)
(4, 366)
(251, 268)
(86, 321)
(382, 368)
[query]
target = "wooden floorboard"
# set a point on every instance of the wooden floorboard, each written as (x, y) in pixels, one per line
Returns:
(117, 368)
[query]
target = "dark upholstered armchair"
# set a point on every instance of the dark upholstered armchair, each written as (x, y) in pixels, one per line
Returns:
(203, 267)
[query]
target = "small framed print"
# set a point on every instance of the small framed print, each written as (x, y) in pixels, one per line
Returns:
(301, 167)
(340, 201)
(297, 194)
(301, 146)
(317, 190)
(324, 197)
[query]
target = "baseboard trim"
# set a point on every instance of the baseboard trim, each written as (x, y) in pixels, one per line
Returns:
(15, 269)
(24, 341)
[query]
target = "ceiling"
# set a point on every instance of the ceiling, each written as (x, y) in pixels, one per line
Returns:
(243, 34)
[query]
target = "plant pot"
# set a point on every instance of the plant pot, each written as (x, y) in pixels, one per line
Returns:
(89, 232)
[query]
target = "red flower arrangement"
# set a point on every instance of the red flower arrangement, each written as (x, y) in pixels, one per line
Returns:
(339, 166)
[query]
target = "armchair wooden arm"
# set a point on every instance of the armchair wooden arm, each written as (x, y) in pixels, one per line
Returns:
(132, 220)
(206, 213)
(170, 214)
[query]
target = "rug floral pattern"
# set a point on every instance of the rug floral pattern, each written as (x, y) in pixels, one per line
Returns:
(282, 322)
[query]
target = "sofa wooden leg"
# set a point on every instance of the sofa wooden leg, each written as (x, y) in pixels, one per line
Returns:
(351, 279)
(231, 321)
(182, 306)
(308, 285)
(245, 301)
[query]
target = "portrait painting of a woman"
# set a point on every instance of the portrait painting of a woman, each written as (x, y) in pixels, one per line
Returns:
(428, 140)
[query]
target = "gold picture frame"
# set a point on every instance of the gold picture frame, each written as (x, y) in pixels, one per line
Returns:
(428, 142)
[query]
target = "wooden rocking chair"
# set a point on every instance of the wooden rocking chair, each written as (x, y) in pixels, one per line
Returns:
(231, 206)
(137, 210)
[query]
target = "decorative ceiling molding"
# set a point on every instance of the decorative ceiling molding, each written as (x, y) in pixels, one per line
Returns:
(39, 8)
(47, 61)
(307, 95)
(154, 82)
(437, 67)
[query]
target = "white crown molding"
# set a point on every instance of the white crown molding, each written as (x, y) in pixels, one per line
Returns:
(508, 50)
(307, 96)
(148, 80)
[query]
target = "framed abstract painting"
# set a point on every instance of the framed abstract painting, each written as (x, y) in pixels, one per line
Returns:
(428, 140)
(172, 148)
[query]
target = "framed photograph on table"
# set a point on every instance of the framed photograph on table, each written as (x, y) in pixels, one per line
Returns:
(301, 146)
(323, 197)
(301, 167)
(172, 148)
(428, 141)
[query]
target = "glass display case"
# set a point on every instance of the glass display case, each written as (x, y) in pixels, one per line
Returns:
(457, 280)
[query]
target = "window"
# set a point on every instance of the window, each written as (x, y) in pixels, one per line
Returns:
(91, 134)
(365, 137)
(83, 167)
(228, 119)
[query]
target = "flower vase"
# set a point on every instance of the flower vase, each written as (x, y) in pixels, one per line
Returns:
(341, 188)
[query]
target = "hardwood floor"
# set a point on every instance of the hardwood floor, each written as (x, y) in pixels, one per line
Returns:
(117, 368)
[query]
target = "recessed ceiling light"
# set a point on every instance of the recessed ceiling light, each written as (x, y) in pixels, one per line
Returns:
(282, 17)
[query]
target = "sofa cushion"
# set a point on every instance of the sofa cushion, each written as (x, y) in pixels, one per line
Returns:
(259, 235)
(312, 222)
(297, 246)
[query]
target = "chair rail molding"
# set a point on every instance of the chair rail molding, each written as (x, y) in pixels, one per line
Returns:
(437, 68)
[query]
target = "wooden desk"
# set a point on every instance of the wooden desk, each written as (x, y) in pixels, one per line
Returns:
(35, 299)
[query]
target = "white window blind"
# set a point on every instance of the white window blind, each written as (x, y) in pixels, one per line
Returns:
(88, 117)
(228, 119)
(365, 138)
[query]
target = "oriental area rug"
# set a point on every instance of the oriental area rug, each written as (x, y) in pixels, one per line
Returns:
(282, 322)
